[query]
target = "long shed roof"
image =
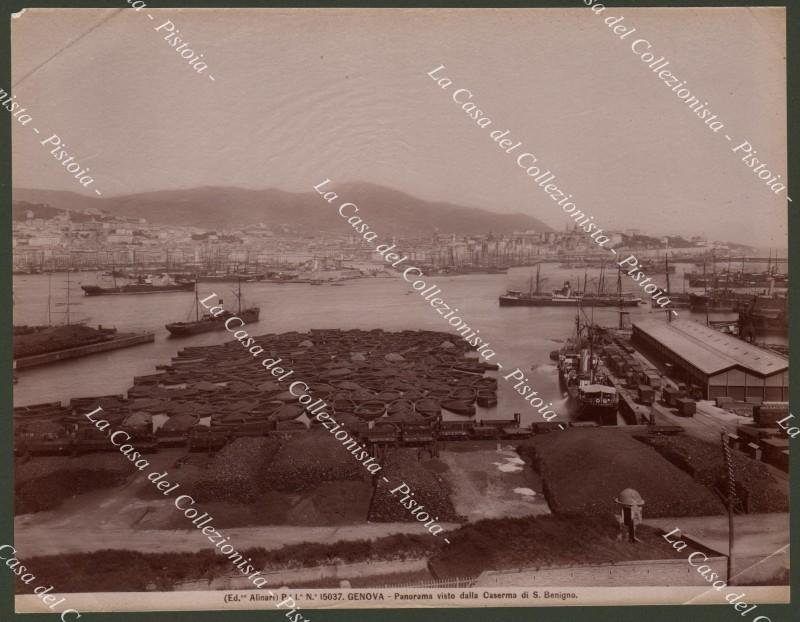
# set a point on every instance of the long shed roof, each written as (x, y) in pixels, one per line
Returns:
(709, 350)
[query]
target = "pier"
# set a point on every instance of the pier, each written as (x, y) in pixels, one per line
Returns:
(122, 340)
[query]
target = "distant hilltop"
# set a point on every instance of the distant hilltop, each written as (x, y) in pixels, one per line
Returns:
(392, 212)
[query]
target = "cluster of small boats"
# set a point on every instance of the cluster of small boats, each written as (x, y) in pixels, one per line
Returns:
(209, 395)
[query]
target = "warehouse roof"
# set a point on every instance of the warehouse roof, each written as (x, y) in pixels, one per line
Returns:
(709, 350)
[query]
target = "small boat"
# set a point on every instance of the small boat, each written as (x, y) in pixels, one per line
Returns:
(343, 405)
(485, 383)
(428, 407)
(438, 393)
(400, 406)
(362, 396)
(412, 394)
(370, 410)
(287, 412)
(463, 394)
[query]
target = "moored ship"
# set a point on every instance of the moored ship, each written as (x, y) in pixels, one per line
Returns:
(142, 285)
(230, 277)
(718, 300)
(764, 315)
(738, 279)
(598, 402)
(590, 390)
(566, 297)
(207, 322)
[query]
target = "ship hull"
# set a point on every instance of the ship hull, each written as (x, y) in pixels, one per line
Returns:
(604, 415)
(229, 278)
(95, 290)
(513, 301)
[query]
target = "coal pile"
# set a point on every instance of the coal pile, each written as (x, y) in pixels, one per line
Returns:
(235, 473)
(756, 488)
(430, 489)
(45, 483)
(307, 460)
(583, 471)
(29, 341)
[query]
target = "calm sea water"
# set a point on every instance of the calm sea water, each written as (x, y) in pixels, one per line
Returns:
(522, 336)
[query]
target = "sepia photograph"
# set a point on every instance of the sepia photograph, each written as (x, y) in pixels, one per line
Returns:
(331, 308)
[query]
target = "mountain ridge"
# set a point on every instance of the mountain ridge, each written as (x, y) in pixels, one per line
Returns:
(385, 209)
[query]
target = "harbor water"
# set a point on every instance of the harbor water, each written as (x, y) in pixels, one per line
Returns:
(522, 337)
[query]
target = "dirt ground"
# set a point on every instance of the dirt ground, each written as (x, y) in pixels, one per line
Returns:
(492, 482)
(137, 517)
(488, 481)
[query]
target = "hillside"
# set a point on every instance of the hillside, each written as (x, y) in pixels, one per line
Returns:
(386, 210)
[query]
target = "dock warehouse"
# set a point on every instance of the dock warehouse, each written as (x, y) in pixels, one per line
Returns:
(720, 364)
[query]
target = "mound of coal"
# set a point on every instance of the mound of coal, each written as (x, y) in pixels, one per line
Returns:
(332, 503)
(52, 338)
(306, 460)
(430, 490)
(44, 483)
(756, 488)
(513, 543)
(236, 471)
(583, 471)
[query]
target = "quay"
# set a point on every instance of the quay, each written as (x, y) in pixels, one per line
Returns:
(121, 340)
(682, 374)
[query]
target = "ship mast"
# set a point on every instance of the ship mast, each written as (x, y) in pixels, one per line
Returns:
(591, 348)
(600, 279)
(705, 282)
(67, 312)
(728, 274)
(714, 271)
(49, 298)
(666, 261)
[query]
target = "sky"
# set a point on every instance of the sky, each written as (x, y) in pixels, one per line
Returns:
(301, 95)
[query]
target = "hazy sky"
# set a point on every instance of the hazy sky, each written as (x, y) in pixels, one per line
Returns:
(302, 95)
